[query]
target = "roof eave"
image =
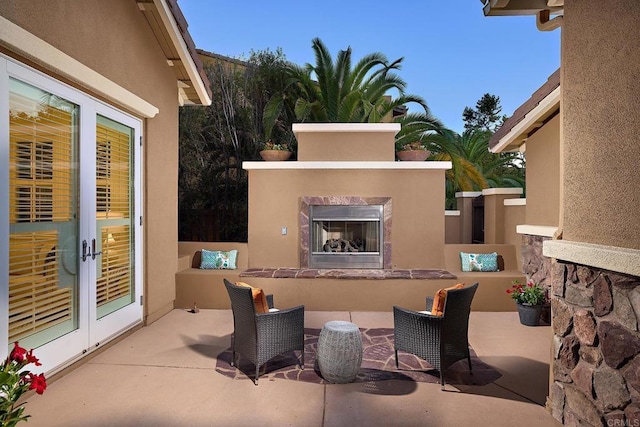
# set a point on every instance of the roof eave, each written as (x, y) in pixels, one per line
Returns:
(180, 40)
(531, 121)
(516, 7)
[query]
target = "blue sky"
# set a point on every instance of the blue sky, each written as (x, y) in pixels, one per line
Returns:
(453, 53)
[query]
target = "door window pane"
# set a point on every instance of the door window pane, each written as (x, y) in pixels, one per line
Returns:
(114, 204)
(43, 134)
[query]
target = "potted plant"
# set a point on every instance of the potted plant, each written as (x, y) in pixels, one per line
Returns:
(530, 299)
(274, 151)
(414, 151)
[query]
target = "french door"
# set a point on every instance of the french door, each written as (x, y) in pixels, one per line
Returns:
(70, 256)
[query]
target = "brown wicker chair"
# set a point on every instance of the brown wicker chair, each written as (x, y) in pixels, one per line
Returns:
(440, 340)
(262, 336)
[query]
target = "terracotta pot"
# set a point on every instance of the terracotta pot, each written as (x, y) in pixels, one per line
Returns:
(272, 155)
(413, 155)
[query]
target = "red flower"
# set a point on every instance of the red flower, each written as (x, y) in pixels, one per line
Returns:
(18, 353)
(38, 383)
(32, 359)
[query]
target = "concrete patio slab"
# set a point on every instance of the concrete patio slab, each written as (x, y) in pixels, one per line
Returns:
(164, 375)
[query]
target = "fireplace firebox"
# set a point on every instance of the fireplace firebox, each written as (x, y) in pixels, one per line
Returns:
(345, 236)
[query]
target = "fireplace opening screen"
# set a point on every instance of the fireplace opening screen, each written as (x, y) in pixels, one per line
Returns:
(346, 236)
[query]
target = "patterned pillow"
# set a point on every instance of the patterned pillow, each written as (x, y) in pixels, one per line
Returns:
(218, 260)
(479, 262)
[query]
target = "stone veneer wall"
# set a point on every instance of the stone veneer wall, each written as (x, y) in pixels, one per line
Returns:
(596, 346)
(537, 268)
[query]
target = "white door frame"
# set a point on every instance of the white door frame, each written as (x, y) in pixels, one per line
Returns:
(91, 331)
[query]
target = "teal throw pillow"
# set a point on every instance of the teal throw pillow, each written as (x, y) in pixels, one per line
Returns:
(218, 260)
(479, 262)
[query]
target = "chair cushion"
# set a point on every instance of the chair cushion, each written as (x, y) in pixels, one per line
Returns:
(440, 297)
(479, 262)
(218, 260)
(259, 298)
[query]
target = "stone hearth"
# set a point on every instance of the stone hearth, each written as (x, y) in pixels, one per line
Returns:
(310, 273)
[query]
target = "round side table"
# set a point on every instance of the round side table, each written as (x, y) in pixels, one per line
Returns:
(339, 351)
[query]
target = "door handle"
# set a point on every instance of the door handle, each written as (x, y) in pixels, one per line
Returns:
(84, 251)
(93, 249)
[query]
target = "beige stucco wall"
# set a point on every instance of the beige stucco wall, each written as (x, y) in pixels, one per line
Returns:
(494, 213)
(464, 203)
(514, 216)
(600, 93)
(417, 219)
(345, 146)
(452, 229)
(543, 175)
(114, 39)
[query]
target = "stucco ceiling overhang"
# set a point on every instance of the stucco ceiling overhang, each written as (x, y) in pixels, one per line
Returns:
(520, 7)
(170, 29)
(529, 117)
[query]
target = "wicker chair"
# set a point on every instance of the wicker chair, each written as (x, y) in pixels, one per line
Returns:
(440, 340)
(262, 336)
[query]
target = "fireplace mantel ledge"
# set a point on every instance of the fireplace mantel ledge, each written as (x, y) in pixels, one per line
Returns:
(285, 165)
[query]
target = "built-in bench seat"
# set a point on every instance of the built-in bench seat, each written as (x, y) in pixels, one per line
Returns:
(327, 290)
(491, 294)
(205, 287)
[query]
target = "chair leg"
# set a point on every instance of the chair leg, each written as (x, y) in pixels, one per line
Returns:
(233, 357)
(396, 351)
(441, 380)
(255, 381)
(302, 359)
(470, 369)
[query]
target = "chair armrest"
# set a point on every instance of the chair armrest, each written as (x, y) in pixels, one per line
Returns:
(270, 300)
(429, 303)
(424, 317)
(417, 333)
(287, 319)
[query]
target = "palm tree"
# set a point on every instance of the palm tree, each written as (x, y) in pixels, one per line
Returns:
(333, 91)
(474, 167)
(499, 170)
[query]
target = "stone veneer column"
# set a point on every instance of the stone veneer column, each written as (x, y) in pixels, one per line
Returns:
(596, 346)
(464, 203)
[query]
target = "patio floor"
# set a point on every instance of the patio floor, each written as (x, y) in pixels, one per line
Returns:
(164, 375)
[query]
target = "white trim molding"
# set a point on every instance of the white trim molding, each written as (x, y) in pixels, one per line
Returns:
(19, 40)
(285, 165)
(500, 191)
(345, 127)
(515, 202)
(471, 194)
(536, 230)
(621, 260)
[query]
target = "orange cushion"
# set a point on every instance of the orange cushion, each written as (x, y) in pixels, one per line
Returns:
(259, 298)
(440, 297)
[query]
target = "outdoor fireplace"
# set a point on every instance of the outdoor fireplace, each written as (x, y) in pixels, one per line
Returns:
(345, 232)
(346, 236)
